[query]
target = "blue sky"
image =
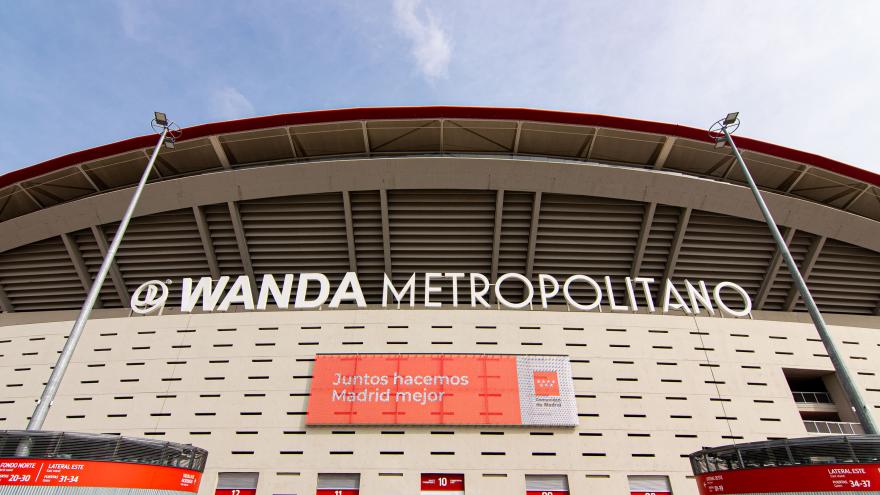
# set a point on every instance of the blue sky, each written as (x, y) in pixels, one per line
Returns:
(79, 74)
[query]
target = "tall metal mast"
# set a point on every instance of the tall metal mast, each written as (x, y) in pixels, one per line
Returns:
(721, 131)
(169, 131)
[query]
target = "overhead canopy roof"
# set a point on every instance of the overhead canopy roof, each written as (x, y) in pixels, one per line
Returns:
(448, 130)
(463, 189)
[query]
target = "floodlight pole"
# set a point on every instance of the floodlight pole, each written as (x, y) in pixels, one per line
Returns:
(852, 392)
(54, 382)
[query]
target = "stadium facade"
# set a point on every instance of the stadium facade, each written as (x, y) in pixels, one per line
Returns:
(441, 299)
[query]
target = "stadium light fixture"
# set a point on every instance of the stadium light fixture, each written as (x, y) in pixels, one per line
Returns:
(721, 132)
(731, 118)
(169, 131)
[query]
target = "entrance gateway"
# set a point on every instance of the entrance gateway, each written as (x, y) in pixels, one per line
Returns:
(546, 484)
(438, 484)
(237, 484)
(339, 484)
(649, 485)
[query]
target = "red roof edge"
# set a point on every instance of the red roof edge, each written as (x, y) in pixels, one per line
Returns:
(434, 112)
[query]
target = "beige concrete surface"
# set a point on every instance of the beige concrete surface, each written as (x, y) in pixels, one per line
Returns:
(650, 390)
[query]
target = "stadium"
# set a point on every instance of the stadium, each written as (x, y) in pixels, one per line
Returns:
(441, 299)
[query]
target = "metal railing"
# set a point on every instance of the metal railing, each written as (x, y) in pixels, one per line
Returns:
(98, 447)
(812, 398)
(834, 427)
(792, 452)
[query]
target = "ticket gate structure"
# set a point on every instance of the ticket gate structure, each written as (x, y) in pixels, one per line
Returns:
(546, 484)
(236, 483)
(339, 484)
(812, 465)
(649, 484)
(54, 463)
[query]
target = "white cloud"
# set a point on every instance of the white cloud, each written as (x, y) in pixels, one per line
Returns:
(430, 44)
(228, 103)
(798, 71)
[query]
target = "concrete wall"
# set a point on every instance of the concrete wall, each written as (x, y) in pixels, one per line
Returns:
(651, 389)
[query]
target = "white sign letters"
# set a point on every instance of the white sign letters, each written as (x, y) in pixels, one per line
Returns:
(582, 292)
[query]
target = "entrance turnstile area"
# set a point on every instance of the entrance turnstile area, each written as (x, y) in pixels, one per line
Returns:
(339, 484)
(237, 484)
(546, 484)
(439, 484)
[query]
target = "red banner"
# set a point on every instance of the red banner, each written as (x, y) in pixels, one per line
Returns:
(414, 389)
(337, 491)
(817, 478)
(54, 472)
(546, 492)
(235, 491)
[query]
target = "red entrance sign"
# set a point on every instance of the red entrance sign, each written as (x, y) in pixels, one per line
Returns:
(54, 472)
(332, 491)
(442, 483)
(649, 493)
(547, 492)
(818, 478)
(235, 491)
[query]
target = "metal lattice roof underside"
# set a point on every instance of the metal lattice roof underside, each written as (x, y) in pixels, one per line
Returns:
(405, 230)
(444, 231)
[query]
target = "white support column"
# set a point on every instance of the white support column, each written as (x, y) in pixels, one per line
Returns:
(220, 152)
(588, 153)
(730, 166)
(677, 241)
(806, 268)
(856, 197)
(79, 264)
(88, 178)
(241, 240)
(155, 166)
(349, 231)
(292, 143)
(519, 126)
(639, 255)
(773, 270)
(30, 196)
(115, 274)
(663, 155)
(533, 234)
(794, 182)
(386, 230)
(367, 150)
(496, 235)
(207, 243)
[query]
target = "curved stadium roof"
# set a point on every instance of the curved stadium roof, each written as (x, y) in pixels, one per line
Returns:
(529, 191)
